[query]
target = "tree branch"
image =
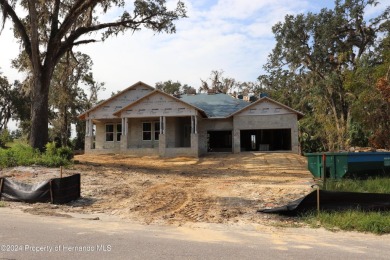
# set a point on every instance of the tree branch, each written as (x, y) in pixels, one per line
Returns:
(54, 20)
(35, 57)
(70, 41)
(78, 8)
(83, 42)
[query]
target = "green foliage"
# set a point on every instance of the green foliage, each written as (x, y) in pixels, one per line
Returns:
(22, 154)
(333, 67)
(218, 83)
(175, 88)
(310, 138)
(352, 220)
(6, 106)
(169, 87)
(63, 152)
(5, 137)
(374, 185)
(19, 154)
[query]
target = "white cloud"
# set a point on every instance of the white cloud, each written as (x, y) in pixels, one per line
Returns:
(232, 35)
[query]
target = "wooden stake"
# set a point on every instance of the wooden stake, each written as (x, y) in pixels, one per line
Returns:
(61, 172)
(318, 201)
(324, 169)
(51, 192)
(1, 186)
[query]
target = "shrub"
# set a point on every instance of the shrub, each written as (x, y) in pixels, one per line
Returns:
(19, 154)
(65, 152)
(22, 154)
(5, 137)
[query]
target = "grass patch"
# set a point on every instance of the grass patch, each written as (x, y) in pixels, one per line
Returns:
(354, 220)
(2, 204)
(351, 220)
(373, 185)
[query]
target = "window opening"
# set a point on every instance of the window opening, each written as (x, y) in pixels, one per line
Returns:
(118, 132)
(109, 133)
(146, 131)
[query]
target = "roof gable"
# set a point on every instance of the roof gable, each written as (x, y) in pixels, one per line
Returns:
(216, 105)
(267, 106)
(106, 108)
(158, 103)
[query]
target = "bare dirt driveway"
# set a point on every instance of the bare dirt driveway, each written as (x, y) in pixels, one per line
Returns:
(218, 188)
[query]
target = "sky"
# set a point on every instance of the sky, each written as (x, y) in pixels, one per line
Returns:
(230, 35)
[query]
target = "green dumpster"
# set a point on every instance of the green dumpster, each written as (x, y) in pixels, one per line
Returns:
(343, 164)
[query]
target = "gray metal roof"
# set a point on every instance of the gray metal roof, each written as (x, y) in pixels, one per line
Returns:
(215, 105)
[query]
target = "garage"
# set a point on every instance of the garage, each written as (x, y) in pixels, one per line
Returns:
(219, 141)
(265, 140)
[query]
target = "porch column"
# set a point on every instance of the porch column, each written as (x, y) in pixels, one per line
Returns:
(164, 124)
(192, 125)
(196, 124)
(89, 127)
(236, 141)
(162, 138)
(124, 135)
(88, 141)
(126, 126)
(161, 125)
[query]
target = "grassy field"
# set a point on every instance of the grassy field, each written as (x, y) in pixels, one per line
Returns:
(354, 220)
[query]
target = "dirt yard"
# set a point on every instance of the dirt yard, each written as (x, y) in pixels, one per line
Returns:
(219, 188)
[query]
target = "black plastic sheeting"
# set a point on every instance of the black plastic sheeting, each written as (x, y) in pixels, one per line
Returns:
(57, 190)
(334, 201)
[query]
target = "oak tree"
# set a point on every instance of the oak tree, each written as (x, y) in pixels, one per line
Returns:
(49, 29)
(312, 56)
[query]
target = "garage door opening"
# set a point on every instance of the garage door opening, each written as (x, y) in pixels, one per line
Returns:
(219, 141)
(266, 140)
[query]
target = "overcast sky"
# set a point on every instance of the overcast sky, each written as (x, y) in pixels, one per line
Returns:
(230, 35)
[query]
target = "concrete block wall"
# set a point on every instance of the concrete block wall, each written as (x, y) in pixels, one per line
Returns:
(283, 121)
(205, 125)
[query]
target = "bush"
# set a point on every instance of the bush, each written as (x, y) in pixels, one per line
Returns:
(5, 137)
(65, 152)
(21, 154)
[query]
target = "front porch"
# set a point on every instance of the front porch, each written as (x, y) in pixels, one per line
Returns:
(155, 135)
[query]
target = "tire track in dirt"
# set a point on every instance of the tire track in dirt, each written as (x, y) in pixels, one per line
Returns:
(196, 210)
(160, 200)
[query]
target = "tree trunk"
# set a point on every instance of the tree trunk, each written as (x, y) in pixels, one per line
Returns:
(64, 126)
(40, 110)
